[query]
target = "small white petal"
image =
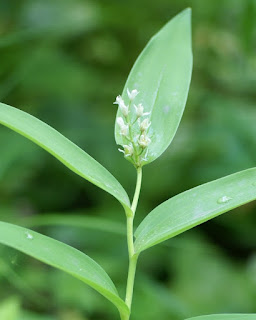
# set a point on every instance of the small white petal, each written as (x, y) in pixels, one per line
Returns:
(139, 110)
(119, 100)
(145, 124)
(132, 94)
(120, 150)
(128, 150)
(124, 128)
(124, 109)
(144, 141)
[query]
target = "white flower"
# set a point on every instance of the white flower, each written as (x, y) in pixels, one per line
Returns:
(132, 94)
(144, 140)
(124, 128)
(140, 111)
(145, 124)
(124, 109)
(119, 99)
(128, 150)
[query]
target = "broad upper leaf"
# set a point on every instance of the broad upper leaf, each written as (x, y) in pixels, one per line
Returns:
(226, 317)
(195, 206)
(162, 76)
(63, 257)
(63, 149)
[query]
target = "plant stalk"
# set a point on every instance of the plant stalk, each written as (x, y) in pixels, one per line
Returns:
(132, 256)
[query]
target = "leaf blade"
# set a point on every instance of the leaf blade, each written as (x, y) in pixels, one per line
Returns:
(75, 220)
(162, 75)
(62, 257)
(194, 207)
(62, 149)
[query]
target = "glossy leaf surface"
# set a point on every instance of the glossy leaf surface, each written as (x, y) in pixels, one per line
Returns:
(63, 149)
(63, 257)
(162, 75)
(195, 206)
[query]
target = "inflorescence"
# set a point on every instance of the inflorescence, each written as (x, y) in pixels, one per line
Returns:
(133, 126)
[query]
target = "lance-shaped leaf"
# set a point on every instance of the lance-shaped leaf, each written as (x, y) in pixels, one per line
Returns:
(162, 75)
(195, 206)
(226, 317)
(63, 149)
(63, 257)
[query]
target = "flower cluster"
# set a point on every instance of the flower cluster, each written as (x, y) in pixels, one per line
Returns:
(133, 126)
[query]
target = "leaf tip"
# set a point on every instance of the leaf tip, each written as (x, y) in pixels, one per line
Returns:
(185, 14)
(187, 11)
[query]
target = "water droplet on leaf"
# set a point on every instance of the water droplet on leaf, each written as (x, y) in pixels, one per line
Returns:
(29, 236)
(224, 199)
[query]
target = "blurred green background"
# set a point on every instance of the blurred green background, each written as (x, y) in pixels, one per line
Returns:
(65, 61)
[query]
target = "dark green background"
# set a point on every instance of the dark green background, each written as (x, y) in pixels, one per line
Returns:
(65, 61)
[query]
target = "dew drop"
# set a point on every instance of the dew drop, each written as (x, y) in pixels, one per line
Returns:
(29, 236)
(224, 199)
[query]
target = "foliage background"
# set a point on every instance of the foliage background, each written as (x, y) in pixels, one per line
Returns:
(64, 61)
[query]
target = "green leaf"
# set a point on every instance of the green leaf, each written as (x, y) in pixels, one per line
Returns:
(74, 220)
(195, 206)
(64, 150)
(63, 257)
(162, 75)
(226, 317)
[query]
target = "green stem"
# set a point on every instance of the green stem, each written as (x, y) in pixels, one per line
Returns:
(132, 256)
(137, 190)
(130, 280)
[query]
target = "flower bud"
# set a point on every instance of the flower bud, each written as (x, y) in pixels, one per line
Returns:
(140, 111)
(128, 150)
(119, 99)
(145, 124)
(144, 140)
(132, 94)
(124, 128)
(124, 109)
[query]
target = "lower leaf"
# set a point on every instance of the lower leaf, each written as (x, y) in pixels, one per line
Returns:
(63, 257)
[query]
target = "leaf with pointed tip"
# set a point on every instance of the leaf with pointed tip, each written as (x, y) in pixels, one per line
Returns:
(63, 257)
(162, 75)
(64, 150)
(226, 317)
(195, 206)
